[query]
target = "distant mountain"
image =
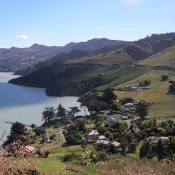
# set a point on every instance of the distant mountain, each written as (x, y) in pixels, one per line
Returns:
(93, 45)
(14, 59)
(78, 72)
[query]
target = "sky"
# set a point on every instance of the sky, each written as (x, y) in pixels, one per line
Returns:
(58, 22)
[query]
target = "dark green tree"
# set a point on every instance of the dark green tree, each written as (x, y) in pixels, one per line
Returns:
(142, 109)
(164, 77)
(74, 110)
(145, 149)
(61, 111)
(160, 150)
(18, 128)
(48, 114)
(109, 97)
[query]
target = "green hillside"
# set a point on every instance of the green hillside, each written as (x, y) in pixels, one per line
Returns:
(124, 56)
(166, 58)
(164, 104)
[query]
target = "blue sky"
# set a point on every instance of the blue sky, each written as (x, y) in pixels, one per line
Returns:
(58, 22)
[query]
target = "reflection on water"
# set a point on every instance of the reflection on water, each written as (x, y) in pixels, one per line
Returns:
(25, 104)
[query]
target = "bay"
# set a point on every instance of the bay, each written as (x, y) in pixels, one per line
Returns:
(25, 104)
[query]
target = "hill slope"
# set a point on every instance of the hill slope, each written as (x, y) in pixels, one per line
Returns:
(78, 72)
(164, 104)
(165, 59)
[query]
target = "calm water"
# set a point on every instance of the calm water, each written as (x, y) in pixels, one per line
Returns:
(25, 104)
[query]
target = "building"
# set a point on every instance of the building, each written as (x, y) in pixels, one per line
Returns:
(101, 137)
(153, 140)
(92, 134)
(116, 144)
(111, 119)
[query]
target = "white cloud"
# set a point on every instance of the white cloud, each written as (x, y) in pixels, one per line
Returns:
(22, 36)
(131, 2)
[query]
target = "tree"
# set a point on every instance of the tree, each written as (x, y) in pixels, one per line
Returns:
(39, 131)
(115, 107)
(18, 128)
(109, 97)
(74, 110)
(61, 111)
(142, 109)
(172, 87)
(48, 114)
(16, 133)
(33, 126)
(132, 147)
(145, 150)
(164, 77)
(144, 83)
(160, 150)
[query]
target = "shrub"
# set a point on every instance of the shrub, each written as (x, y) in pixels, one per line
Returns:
(69, 157)
(164, 77)
(39, 131)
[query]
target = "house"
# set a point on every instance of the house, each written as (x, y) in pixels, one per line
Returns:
(68, 116)
(111, 119)
(46, 138)
(116, 144)
(129, 105)
(92, 135)
(102, 143)
(29, 149)
(172, 126)
(125, 118)
(147, 117)
(123, 109)
(105, 144)
(153, 140)
(101, 137)
(130, 88)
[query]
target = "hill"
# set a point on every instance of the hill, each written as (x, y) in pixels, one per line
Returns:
(14, 59)
(164, 59)
(164, 103)
(78, 72)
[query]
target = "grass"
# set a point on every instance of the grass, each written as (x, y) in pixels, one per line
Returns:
(114, 57)
(122, 75)
(137, 152)
(165, 58)
(53, 164)
(125, 166)
(164, 104)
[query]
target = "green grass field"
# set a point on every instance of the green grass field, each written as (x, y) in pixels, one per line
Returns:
(53, 163)
(164, 104)
(165, 58)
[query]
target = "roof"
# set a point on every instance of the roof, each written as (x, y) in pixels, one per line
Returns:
(113, 118)
(29, 149)
(101, 137)
(116, 144)
(155, 140)
(93, 132)
(102, 142)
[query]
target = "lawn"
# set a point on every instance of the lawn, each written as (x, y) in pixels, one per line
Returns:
(164, 104)
(53, 163)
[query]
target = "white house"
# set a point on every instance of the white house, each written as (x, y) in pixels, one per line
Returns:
(93, 134)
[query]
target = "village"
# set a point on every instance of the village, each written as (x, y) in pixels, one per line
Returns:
(115, 128)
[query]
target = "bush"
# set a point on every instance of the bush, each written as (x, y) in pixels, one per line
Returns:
(46, 154)
(69, 157)
(164, 77)
(144, 83)
(40, 131)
